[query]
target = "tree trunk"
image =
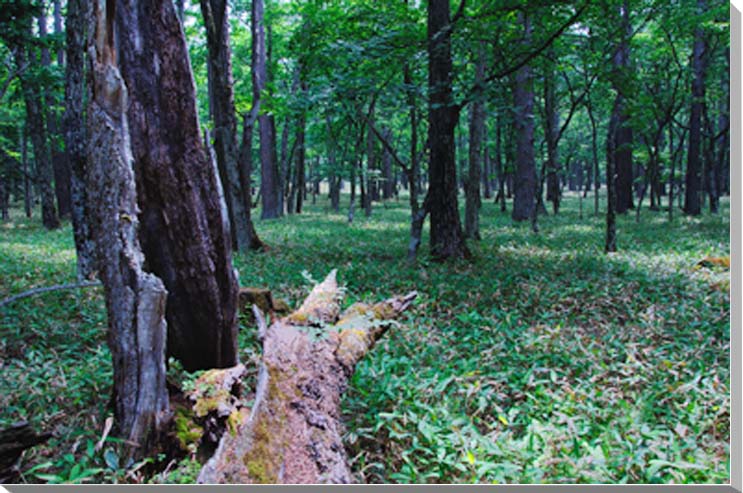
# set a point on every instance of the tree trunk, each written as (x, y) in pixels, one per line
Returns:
(27, 189)
(299, 178)
(692, 205)
(595, 156)
(366, 182)
(270, 183)
(446, 238)
(525, 184)
(135, 299)
(73, 124)
(472, 185)
(611, 196)
(39, 138)
(388, 185)
(550, 131)
(225, 120)
(245, 166)
(60, 166)
(293, 433)
(183, 234)
(623, 132)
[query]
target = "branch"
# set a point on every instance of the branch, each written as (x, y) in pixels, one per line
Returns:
(56, 287)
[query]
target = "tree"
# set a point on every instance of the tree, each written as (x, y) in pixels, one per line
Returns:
(135, 299)
(184, 237)
(270, 182)
(692, 202)
(476, 133)
(73, 125)
(525, 184)
(222, 107)
(447, 240)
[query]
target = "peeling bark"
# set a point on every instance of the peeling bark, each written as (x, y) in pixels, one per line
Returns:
(293, 432)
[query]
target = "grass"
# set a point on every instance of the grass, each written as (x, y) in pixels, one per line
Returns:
(541, 359)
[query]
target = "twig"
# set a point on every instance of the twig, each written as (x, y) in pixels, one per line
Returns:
(56, 287)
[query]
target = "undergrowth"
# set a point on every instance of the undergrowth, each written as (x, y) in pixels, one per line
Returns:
(540, 359)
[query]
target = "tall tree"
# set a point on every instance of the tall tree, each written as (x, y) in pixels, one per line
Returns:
(270, 182)
(222, 107)
(622, 140)
(692, 202)
(135, 299)
(184, 238)
(525, 178)
(446, 237)
(73, 125)
(476, 133)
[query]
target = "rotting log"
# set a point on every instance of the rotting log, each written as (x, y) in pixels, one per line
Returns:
(293, 433)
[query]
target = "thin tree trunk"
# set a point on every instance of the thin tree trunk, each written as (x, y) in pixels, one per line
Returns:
(270, 182)
(39, 139)
(27, 189)
(73, 124)
(476, 131)
(135, 299)
(225, 120)
(692, 205)
(551, 130)
(611, 228)
(183, 234)
(623, 139)
(298, 190)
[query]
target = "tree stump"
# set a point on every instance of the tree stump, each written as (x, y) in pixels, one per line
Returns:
(293, 433)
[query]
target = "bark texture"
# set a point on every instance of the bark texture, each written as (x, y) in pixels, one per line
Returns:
(183, 235)
(622, 138)
(225, 120)
(446, 239)
(270, 184)
(293, 433)
(73, 124)
(135, 300)
(525, 178)
(472, 184)
(693, 202)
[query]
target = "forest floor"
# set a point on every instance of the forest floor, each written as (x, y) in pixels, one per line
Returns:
(541, 359)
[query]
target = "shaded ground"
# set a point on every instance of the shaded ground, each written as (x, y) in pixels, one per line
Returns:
(540, 360)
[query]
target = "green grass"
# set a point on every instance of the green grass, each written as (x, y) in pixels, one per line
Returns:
(541, 359)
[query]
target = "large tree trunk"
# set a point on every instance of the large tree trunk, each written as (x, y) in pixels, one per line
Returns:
(73, 123)
(225, 121)
(60, 166)
(622, 147)
(135, 300)
(183, 235)
(39, 138)
(270, 183)
(692, 204)
(525, 180)
(293, 433)
(472, 184)
(447, 240)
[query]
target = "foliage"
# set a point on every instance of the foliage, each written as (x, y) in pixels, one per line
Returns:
(540, 360)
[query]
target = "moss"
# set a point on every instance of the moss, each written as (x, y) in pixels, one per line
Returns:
(208, 403)
(187, 431)
(265, 456)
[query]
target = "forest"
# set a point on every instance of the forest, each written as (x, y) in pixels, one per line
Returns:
(344, 241)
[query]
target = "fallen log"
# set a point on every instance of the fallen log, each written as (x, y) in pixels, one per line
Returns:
(13, 441)
(293, 433)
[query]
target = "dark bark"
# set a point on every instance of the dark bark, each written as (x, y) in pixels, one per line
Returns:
(270, 182)
(299, 172)
(366, 182)
(692, 203)
(27, 188)
(4, 194)
(388, 185)
(225, 120)
(245, 166)
(60, 166)
(525, 179)
(723, 142)
(446, 238)
(184, 237)
(39, 138)
(135, 300)
(611, 196)
(551, 129)
(476, 133)
(73, 123)
(622, 147)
